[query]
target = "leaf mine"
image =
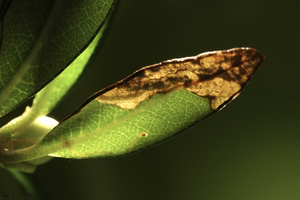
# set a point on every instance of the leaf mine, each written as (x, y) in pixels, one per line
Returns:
(218, 76)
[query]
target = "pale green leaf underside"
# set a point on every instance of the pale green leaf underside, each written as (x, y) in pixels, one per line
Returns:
(125, 131)
(101, 130)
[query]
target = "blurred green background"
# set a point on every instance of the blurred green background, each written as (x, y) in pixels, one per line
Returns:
(249, 150)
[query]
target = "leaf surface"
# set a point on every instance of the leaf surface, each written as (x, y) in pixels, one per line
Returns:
(40, 39)
(46, 99)
(148, 107)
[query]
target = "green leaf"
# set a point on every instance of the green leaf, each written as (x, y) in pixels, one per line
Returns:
(148, 107)
(46, 99)
(30, 127)
(40, 39)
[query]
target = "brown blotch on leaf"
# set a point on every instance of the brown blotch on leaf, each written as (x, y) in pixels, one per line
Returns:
(218, 76)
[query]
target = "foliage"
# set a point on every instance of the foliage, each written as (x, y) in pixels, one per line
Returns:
(150, 106)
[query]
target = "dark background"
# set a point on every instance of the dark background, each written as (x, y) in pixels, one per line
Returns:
(250, 150)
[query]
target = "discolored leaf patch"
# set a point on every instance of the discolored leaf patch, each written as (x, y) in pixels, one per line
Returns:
(218, 76)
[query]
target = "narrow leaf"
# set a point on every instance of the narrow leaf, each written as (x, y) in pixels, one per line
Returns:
(46, 99)
(40, 39)
(51, 95)
(148, 107)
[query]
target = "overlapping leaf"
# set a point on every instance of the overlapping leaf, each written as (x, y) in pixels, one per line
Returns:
(40, 39)
(28, 128)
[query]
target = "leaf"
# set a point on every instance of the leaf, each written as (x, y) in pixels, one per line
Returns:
(14, 135)
(53, 93)
(40, 39)
(46, 99)
(148, 107)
